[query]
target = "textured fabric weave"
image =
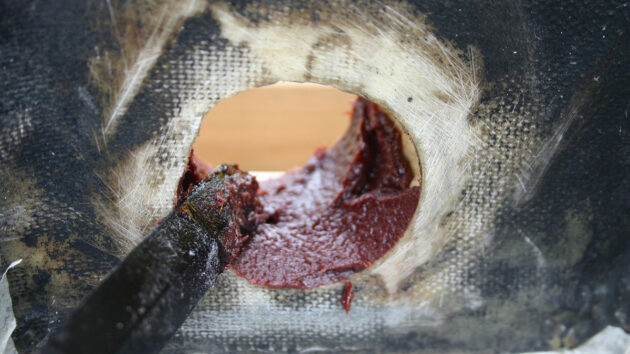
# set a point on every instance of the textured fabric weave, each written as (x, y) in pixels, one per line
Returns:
(518, 114)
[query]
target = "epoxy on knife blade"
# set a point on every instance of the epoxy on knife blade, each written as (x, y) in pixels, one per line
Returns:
(143, 302)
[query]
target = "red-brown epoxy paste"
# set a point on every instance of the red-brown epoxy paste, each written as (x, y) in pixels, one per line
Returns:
(339, 213)
(347, 296)
(195, 172)
(234, 197)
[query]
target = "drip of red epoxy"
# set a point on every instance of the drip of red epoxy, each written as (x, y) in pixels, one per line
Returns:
(347, 296)
(339, 213)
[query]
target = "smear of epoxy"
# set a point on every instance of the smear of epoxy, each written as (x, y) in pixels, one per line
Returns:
(347, 296)
(335, 216)
(338, 214)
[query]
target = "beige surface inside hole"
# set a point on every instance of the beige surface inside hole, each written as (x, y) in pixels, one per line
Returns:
(273, 128)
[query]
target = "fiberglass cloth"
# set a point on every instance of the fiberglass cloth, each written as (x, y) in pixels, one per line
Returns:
(517, 112)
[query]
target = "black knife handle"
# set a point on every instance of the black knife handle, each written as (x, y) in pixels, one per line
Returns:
(143, 302)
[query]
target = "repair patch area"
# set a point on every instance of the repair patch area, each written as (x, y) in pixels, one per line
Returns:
(339, 213)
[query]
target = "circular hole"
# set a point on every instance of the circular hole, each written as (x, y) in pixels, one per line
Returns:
(343, 209)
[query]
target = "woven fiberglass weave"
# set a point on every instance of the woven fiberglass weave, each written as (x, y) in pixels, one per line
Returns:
(518, 113)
